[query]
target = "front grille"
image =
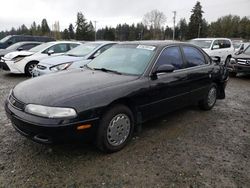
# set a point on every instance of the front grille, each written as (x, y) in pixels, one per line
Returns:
(244, 61)
(15, 103)
(41, 67)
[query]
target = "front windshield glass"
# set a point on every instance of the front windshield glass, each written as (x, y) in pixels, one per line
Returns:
(83, 50)
(127, 59)
(14, 46)
(205, 44)
(40, 47)
(236, 45)
(247, 50)
(3, 40)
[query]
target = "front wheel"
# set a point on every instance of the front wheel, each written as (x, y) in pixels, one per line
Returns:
(30, 67)
(115, 129)
(210, 98)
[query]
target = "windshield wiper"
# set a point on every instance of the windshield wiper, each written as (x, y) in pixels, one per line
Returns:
(71, 55)
(107, 70)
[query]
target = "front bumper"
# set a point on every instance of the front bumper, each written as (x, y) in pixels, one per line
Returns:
(238, 68)
(10, 66)
(3, 65)
(48, 131)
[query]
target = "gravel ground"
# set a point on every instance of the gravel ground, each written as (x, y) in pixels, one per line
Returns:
(187, 148)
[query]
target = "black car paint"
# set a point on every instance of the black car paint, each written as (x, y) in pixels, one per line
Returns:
(92, 92)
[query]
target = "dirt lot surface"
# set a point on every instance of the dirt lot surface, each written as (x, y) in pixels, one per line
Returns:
(187, 148)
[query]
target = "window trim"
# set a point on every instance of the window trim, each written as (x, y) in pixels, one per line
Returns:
(207, 62)
(172, 45)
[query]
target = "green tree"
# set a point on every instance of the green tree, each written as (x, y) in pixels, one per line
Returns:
(66, 34)
(45, 30)
(82, 27)
(33, 29)
(195, 23)
(183, 26)
(71, 31)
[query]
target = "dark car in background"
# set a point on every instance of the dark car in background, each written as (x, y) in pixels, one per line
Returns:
(111, 96)
(240, 63)
(12, 39)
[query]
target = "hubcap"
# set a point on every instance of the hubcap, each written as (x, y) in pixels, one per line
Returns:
(31, 68)
(212, 95)
(118, 129)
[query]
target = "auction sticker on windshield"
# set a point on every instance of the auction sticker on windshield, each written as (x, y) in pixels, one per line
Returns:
(145, 47)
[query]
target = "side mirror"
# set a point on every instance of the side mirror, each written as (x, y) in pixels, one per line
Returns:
(242, 47)
(215, 47)
(216, 59)
(20, 49)
(50, 52)
(165, 68)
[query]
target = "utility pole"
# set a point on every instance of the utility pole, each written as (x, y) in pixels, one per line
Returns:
(199, 31)
(95, 28)
(174, 18)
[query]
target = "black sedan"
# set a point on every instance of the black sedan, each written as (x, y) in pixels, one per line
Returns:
(110, 97)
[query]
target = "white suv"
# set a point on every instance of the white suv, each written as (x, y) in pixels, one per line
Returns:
(220, 47)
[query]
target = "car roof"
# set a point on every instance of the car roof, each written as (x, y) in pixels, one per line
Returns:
(68, 42)
(211, 39)
(158, 43)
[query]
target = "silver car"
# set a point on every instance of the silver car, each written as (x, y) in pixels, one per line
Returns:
(75, 58)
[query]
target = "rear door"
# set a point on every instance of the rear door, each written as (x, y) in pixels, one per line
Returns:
(199, 72)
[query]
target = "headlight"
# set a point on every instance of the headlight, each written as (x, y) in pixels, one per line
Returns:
(233, 60)
(50, 112)
(60, 67)
(18, 58)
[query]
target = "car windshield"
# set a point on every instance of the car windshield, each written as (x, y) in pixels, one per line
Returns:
(237, 45)
(125, 59)
(83, 49)
(14, 46)
(202, 43)
(40, 47)
(3, 40)
(247, 50)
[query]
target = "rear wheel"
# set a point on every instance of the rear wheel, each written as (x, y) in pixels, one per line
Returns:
(115, 129)
(30, 67)
(210, 98)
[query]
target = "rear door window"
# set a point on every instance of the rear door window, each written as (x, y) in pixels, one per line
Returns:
(58, 48)
(193, 56)
(171, 56)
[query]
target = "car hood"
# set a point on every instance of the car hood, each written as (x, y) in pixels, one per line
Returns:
(3, 52)
(243, 56)
(57, 60)
(17, 53)
(52, 89)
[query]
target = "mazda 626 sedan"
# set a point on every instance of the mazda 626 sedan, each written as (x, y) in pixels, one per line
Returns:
(110, 97)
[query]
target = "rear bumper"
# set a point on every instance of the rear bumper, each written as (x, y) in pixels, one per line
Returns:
(49, 133)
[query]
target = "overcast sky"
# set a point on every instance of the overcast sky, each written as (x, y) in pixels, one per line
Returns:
(13, 13)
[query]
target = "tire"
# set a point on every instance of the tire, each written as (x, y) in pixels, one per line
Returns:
(227, 61)
(232, 74)
(29, 68)
(119, 120)
(210, 98)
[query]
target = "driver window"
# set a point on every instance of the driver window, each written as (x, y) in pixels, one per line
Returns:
(172, 56)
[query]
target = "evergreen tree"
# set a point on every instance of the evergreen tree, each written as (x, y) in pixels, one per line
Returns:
(82, 27)
(183, 26)
(195, 24)
(33, 29)
(66, 34)
(45, 30)
(71, 31)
